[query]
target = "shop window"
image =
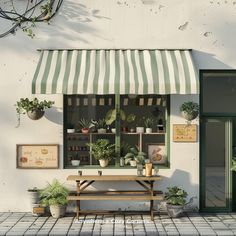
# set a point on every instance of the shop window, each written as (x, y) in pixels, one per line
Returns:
(218, 93)
(142, 122)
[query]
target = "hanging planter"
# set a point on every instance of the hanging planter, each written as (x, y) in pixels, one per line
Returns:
(36, 114)
(189, 110)
(33, 108)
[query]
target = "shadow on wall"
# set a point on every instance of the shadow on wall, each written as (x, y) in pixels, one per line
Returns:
(206, 61)
(54, 115)
(72, 22)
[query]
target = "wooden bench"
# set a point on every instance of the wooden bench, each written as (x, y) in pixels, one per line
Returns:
(83, 182)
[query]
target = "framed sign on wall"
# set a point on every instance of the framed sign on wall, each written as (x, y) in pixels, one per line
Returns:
(37, 156)
(184, 133)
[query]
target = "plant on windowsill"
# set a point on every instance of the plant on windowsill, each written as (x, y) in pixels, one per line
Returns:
(33, 108)
(102, 151)
(85, 125)
(100, 125)
(175, 199)
(189, 110)
(55, 196)
(134, 157)
(140, 125)
(111, 117)
(70, 128)
(149, 122)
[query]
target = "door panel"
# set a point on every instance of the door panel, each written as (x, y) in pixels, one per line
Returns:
(215, 156)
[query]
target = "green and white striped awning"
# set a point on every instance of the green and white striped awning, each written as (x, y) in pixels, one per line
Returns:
(115, 72)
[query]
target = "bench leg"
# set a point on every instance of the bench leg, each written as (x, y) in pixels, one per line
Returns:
(151, 201)
(78, 201)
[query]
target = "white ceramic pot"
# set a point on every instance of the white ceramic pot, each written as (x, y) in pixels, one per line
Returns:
(113, 130)
(103, 163)
(133, 163)
(140, 129)
(102, 131)
(148, 130)
(75, 162)
(70, 131)
(57, 211)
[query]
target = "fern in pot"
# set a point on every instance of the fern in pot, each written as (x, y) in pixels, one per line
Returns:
(55, 196)
(103, 151)
(175, 198)
(35, 109)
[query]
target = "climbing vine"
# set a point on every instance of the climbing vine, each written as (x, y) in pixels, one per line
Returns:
(34, 11)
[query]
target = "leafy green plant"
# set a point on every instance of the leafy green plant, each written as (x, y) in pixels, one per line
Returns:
(189, 107)
(135, 155)
(131, 118)
(111, 116)
(26, 105)
(175, 196)
(149, 122)
(102, 149)
(85, 124)
(54, 194)
(233, 165)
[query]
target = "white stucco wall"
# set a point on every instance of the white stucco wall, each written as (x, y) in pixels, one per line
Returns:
(208, 27)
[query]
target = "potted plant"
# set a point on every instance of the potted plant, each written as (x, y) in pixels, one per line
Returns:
(85, 125)
(189, 110)
(70, 128)
(100, 125)
(176, 199)
(102, 151)
(134, 157)
(148, 122)
(130, 119)
(233, 165)
(111, 117)
(33, 108)
(140, 128)
(55, 196)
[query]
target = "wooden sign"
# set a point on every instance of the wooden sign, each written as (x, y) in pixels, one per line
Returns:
(37, 156)
(185, 133)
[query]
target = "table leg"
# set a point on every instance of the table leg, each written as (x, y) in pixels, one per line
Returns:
(78, 201)
(151, 201)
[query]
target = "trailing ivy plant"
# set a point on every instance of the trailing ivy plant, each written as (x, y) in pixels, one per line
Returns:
(35, 11)
(25, 105)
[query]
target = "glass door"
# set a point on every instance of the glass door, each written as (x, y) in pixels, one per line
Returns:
(216, 153)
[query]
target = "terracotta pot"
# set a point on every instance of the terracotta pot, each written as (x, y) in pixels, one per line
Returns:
(35, 115)
(174, 211)
(189, 116)
(57, 211)
(103, 163)
(85, 130)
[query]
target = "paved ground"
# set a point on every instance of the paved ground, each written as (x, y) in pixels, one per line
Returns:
(13, 224)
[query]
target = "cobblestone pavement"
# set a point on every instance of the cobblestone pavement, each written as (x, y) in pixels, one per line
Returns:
(14, 224)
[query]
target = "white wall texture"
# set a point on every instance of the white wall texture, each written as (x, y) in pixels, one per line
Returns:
(208, 27)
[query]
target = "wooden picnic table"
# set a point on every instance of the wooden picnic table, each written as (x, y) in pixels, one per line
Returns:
(84, 181)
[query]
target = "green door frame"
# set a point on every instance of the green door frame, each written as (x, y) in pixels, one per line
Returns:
(228, 150)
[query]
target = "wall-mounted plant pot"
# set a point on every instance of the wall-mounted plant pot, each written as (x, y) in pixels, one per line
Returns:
(148, 130)
(35, 115)
(102, 131)
(103, 163)
(174, 211)
(140, 129)
(85, 130)
(189, 116)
